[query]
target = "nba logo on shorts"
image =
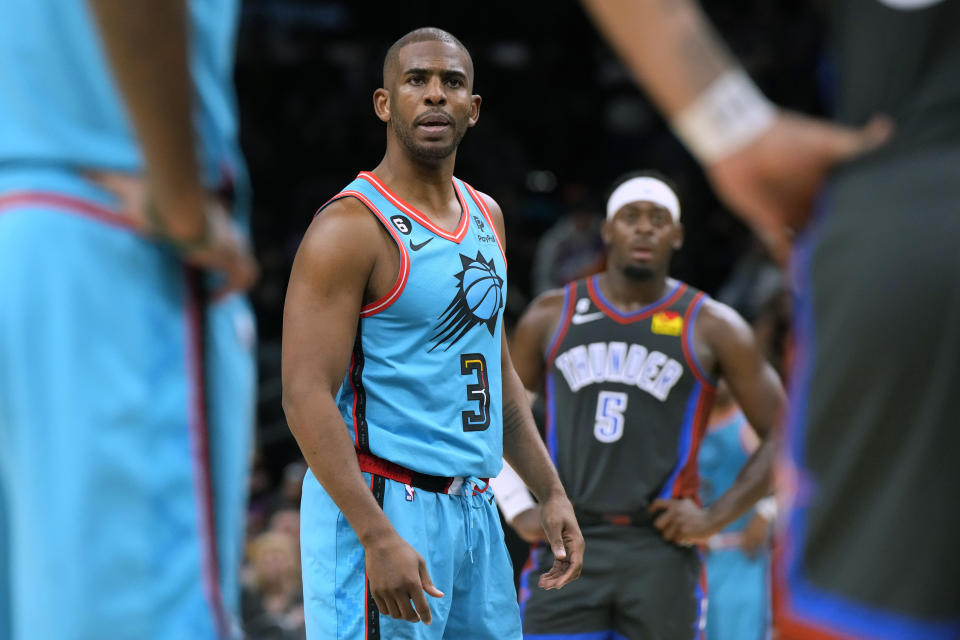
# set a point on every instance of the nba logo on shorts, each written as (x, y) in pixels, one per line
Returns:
(408, 491)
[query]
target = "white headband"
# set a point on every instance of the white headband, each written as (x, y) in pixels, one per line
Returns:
(644, 189)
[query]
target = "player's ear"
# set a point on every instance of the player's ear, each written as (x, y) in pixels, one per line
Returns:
(606, 233)
(475, 101)
(381, 104)
(678, 237)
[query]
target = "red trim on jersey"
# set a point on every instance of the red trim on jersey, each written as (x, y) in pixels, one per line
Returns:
(69, 204)
(618, 316)
(561, 331)
(391, 296)
(486, 214)
(456, 236)
(200, 450)
(692, 362)
(688, 480)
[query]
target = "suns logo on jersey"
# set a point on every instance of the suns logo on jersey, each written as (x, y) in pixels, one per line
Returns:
(478, 300)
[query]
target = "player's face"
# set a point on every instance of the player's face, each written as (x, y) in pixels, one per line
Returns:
(429, 103)
(641, 237)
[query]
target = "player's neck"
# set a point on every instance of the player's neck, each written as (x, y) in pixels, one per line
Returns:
(630, 294)
(426, 186)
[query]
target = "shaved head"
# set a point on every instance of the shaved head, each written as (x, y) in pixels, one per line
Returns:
(423, 34)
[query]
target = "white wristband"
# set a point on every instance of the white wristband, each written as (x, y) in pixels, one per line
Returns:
(726, 117)
(767, 508)
(511, 494)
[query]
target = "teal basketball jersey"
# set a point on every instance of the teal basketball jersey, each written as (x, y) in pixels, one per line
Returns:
(423, 389)
(726, 447)
(59, 104)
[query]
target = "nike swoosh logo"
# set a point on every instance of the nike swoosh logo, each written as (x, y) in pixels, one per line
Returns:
(417, 247)
(583, 318)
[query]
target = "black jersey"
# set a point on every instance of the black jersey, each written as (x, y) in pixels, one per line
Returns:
(627, 402)
(902, 58)
(872, 433)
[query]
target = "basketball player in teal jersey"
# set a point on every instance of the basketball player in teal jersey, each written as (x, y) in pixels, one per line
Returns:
(870, 473)
(737, 559)
(628, 361)
(122, 466)
(399, 390)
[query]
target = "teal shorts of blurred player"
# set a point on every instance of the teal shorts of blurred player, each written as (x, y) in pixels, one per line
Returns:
(124, 500)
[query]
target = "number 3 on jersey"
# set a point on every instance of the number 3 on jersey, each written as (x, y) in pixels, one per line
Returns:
(479, 392)
(609, 424)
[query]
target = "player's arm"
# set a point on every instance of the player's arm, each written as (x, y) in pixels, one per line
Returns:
(326, 291)
(527, 346)
(516, 504)
(765, 163)
(525, 451)
(146, 43)
(729, 342)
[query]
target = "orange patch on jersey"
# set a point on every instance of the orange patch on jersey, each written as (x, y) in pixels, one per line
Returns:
(667, 323)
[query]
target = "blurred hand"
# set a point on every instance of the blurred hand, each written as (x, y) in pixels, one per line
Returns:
(527, 525)
(562, 533)
(753, 538)
(397, 575)
(224, 249)
(682, 521)
(772, 182)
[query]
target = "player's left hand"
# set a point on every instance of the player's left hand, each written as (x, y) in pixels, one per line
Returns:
(772, 183)
(682, 521)
(566, 542)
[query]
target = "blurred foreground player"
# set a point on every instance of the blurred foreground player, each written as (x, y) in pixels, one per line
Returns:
(872, 438)
(398, 386)
(122, 465)
(629, 360)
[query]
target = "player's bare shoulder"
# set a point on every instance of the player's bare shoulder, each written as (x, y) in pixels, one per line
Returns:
(540, 319)
(721, 336)
(343, 240)
(717, 321)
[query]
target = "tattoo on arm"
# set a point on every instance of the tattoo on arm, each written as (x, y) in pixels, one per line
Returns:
(512, 417)
(703, 53)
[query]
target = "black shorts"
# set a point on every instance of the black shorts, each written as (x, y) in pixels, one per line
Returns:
(870, 546)
(633, 583)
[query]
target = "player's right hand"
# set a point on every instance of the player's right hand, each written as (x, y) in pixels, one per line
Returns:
(565, 539)
(397, 576)
(772, 182)
(222, 248)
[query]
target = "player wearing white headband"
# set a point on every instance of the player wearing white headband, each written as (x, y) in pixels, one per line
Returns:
(871, 441)
(627, 360)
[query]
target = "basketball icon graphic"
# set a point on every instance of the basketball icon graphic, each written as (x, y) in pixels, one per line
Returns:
(482, 289)
(478, 300)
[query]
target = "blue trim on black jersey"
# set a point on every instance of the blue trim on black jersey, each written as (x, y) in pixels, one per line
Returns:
(551, 428)
(567, 293)
(638, 312)
(686, 434)
(688, 337)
